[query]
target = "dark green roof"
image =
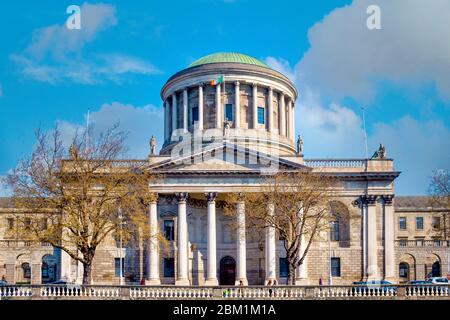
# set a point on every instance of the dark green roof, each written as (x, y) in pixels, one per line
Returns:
(221, 57)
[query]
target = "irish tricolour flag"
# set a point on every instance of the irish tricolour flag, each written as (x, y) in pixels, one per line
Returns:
(217, 81)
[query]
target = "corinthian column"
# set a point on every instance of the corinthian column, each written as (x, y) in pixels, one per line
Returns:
(389, 254)
(270, 249)
(370, 235)
(237, 105)
(211, 278)
(174, 112)
(185, 109)
(200, 107)
(218, 107)
(182, 279)
(270, 109)
(241, 244)
(282, 115)
(255, 105)
(153, 261)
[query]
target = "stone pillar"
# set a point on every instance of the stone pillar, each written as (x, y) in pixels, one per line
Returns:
(200, 107)
(241, 274)
(153, 254)
(185, 109)
(211, 277)
(270, 249)
(66, 263)
(389, 254)
(301, 273)
(370, 236)
(282, 115)
(36, 273)
(218, 107)
(166, 120)
(288, 119)
(292, 119)
(182, 278)
(237, 105)
(174, 112)
(10, 273)
(270, 104)
(255, 105)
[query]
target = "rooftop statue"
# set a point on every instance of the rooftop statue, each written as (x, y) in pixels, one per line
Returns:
(380, 153)
(153, 146)
(299, 145)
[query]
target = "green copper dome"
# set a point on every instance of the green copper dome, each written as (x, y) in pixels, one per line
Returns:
(228, 57)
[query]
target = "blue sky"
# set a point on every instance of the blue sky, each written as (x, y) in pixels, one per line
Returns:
(125, 51)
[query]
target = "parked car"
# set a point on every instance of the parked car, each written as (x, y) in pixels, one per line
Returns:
(373, 287)
(442, 284)
(417, 286)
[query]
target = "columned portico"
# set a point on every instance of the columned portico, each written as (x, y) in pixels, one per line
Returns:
(153, 257)
(211, 279)
(270, 249)
(182, 276)
(241, 244)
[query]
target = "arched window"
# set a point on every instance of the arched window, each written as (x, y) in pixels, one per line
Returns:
(436, 269)
(26, 270)
(44, 270)
(403, 270)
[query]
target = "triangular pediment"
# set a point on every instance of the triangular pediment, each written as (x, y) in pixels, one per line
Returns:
(225, 158)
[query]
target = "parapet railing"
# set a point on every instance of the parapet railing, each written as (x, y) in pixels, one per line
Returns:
(434, 291)
(336, 163)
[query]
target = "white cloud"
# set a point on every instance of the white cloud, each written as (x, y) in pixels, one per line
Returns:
(283, 66)
(328, 132)
(417, 148)
(55, 53)
(139, 122)
(412, 48)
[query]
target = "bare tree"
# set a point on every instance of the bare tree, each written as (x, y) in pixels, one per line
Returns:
(296, 204)
(73, 197)
(439, 190)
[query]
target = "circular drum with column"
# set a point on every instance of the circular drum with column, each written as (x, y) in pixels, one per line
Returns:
(231, 93)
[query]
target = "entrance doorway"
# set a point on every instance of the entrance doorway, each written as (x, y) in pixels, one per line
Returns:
(227, 271)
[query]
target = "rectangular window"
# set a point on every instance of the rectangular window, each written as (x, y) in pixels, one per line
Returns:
(336, 267)
(402, 223)
(117, 266)
(194, 114)
(169, 267)
(436, 223)
(261, 115)
(27, 224)
(284, 267)
(419, 223)
(335, 234)
(229, 112)
(169, 230)
(10, 223)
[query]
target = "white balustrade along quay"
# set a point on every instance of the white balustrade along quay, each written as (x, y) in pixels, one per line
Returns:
(357, 292)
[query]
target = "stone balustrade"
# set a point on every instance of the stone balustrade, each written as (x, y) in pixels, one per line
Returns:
(222, 292)
(336, 163)
(422, 243)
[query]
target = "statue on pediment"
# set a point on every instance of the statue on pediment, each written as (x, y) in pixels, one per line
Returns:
(380, 153)
(299, 145)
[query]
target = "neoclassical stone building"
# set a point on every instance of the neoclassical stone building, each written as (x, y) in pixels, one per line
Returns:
(229, 121)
